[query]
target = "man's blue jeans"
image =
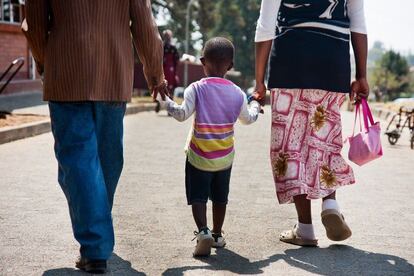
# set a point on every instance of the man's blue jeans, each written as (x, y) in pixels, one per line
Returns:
(89, 149)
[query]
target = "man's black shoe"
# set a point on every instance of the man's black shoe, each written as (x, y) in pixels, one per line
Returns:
(91, 266)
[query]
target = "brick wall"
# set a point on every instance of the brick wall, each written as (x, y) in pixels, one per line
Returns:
(13, 45)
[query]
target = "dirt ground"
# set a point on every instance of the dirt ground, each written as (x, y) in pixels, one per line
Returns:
(19, 119)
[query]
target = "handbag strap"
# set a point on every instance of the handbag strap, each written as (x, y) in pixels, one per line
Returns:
(357, 114)
(366, 112)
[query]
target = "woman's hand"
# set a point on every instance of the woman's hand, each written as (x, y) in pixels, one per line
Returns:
(359, 90)
(260, 93)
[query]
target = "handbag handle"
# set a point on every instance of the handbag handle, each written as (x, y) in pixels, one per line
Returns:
(366, 111)
(366, 114)
(357, 114)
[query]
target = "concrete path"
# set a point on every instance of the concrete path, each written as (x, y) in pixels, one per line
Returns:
(154, 226)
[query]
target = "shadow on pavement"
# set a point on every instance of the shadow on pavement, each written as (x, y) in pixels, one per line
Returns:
(116, 266)
(334, 260)
(347, 260)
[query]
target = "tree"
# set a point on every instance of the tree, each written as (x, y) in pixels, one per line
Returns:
(237, 21)
(234, 19)
(375, 53)
(410, 59)
(202, 15)
(391, 75)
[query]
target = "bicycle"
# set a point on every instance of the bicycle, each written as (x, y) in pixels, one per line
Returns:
(394, 135)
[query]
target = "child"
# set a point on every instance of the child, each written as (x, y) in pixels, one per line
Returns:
(217, 104)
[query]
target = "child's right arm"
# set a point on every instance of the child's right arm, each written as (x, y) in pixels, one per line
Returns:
(249, 112)
(185, 110)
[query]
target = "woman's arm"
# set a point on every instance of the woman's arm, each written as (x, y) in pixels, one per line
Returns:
(356, 14)
(360, 87)
(262, 57)
(265, 33)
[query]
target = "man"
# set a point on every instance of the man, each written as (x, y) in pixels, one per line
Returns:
(171, 59)
(84, 50)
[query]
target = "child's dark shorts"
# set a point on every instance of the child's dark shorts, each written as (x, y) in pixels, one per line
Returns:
(202, 185)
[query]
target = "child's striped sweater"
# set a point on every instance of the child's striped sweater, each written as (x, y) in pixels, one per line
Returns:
(217, 104)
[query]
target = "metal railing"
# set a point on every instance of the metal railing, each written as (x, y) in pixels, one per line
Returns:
(17, 62)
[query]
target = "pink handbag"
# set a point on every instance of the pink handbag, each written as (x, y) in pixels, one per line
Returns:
(365, 146)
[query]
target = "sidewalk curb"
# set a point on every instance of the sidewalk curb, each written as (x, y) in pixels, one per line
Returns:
(383, 114)
(10, 134)
(137, 108)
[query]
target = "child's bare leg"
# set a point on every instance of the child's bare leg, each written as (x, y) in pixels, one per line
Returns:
(303, 208)
(219, 212)
(200, 215)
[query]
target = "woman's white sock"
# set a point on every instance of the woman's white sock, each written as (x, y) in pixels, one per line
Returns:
(305, 231)
(330, 204)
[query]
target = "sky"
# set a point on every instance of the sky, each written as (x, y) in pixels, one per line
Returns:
(392, 22)
(389, 21)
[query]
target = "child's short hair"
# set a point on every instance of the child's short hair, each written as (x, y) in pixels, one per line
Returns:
(219, 50)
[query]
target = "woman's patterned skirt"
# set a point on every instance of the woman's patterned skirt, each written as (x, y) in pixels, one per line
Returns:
(306, 144)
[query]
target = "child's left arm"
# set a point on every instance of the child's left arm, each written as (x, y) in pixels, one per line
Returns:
(185, 110)
(249, 113)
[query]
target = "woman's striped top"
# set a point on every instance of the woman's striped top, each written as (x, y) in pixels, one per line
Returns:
(311, 42)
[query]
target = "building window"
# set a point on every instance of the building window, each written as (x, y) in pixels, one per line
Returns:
(11, 11)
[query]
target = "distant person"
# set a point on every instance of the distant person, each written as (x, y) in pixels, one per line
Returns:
(309, 79)
(217, 104)
(85, 55)
(170, 64)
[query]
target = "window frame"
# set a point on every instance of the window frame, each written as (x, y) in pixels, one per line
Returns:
(11, 11)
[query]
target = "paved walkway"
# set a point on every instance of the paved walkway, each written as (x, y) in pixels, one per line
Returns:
(154, 226)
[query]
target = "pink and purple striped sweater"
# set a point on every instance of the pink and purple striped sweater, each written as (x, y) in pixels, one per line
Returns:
(217, 104)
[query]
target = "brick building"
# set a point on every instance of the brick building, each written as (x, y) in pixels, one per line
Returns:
(13, 45)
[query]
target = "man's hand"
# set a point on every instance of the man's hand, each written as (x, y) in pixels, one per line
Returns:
(161, 89)
(260, 93)
(359, 90)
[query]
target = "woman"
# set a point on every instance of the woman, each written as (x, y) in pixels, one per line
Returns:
(309, 78)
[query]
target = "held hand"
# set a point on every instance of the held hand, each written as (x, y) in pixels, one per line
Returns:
(161, 89)
(260, 93)
(250, 99)
(359, 90)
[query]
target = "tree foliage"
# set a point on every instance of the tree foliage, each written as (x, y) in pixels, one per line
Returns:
(234, 19)
(391, 74)
(202, 15)
(376, 52)
(237, 21)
